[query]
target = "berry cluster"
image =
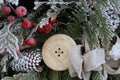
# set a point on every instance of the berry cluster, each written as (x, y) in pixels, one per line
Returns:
(47, 28)
(21, 12)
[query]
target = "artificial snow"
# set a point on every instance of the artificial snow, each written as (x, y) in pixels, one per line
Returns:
(111, 15)
(115, 51)
(13, 1)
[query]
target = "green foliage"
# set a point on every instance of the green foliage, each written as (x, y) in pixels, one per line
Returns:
(24, 76)
(95, 76)
(80, 19)
(70, 17)
(49, 74)
(101, 28)
(39, 13)
(114, 77)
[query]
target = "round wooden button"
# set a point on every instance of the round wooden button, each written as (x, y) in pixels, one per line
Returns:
(56, 51)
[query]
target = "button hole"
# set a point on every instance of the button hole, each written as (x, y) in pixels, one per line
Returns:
(58, 55)
(59, 49)
(55, 51)
(62, 52)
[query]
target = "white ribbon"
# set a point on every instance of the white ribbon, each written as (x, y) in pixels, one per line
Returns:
(75, 62)
(112, 67)
(82, 65)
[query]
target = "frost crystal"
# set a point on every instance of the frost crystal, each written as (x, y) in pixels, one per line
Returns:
(111, 15)
(43, 22)
(52, 13)
(37, 4)
(13, 2)
(8, 41)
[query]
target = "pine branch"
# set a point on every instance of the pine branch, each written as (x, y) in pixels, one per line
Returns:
(91, 22)
(95, 76)
(24, 76)
(39, 13)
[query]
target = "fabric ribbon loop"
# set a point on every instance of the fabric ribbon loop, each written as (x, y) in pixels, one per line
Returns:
(112, 66)
(81, 65)
(75, 62)
(94, 59)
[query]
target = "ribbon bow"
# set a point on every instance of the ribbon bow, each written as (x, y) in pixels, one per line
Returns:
(82, 65)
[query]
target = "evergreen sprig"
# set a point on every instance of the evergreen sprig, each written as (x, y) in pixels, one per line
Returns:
(90, 22)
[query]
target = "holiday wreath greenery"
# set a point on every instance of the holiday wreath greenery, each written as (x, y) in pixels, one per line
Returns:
(26, 27)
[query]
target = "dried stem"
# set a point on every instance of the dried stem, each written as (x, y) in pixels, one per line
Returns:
(11, 7)
(100, 42)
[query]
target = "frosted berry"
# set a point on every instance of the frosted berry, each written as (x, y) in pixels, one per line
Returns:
(21, 11)
(41, 30)
(31, 42)
(4, 53)
(26, 24)
(11, 18)
(6, 10)
(48, 28)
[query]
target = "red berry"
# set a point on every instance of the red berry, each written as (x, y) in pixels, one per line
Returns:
(11, 18)
(54, 21)
(6, 10)
(34, 24)
(41, 30)
(31, 42)
(26, 24)
(18, 52)
(48, 28)
(4, 53)
(21, 11)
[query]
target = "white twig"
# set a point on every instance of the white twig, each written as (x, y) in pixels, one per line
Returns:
(32, 32)
(59, 2)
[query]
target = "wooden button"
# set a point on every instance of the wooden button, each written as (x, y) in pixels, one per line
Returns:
(55, 51)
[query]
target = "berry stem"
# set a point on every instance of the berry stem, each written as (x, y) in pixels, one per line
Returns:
(32, 32)
(22, 18)
(11, 7)
(23, 47)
